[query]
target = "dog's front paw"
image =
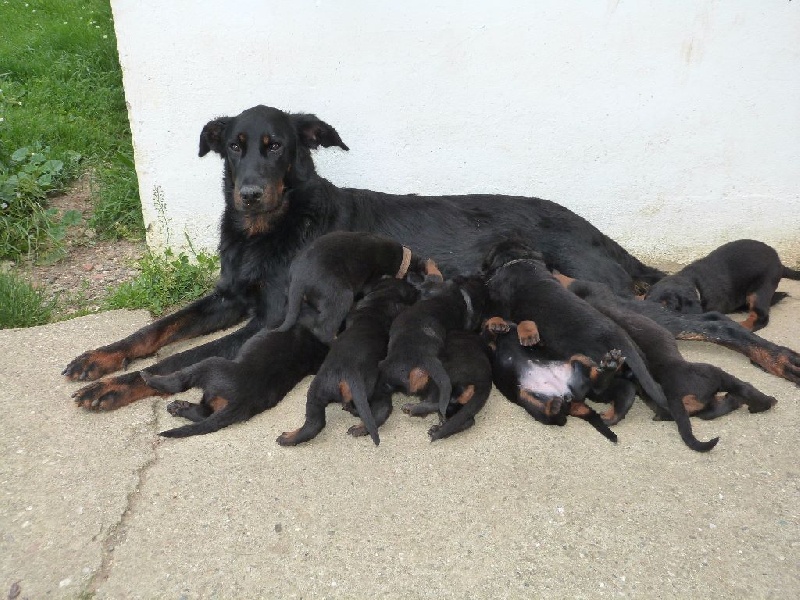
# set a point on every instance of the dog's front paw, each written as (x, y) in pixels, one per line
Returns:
(94, 364)
(114, 392)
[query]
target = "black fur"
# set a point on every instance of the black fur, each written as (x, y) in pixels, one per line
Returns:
(417, 339)
(522, 289)
(694, 384)
(739, 274)
(332, 271)
(350, 370)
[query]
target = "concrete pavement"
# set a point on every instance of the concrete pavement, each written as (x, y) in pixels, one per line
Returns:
(96, 505)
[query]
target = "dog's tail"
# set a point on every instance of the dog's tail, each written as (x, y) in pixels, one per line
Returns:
(673, 406)
(355, 390)
(435, 369)
(790, 273)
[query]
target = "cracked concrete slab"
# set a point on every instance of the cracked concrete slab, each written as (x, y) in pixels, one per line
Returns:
(97, 503)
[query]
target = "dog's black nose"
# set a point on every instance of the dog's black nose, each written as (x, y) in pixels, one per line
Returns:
(250, 194)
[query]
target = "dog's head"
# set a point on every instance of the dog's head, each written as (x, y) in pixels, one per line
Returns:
(266, 152)
(678, 300)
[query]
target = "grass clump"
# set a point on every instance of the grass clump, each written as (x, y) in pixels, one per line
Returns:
(62, 112)
(166, 281)
(21, 304)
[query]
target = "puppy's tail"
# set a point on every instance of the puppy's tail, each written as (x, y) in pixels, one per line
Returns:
(356, 391)
(218, 420)
(435, 369)
(790, 273)
(673, 406)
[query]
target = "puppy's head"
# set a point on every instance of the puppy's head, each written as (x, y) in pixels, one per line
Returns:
(678, 300)
(266, 153)
(507, 251)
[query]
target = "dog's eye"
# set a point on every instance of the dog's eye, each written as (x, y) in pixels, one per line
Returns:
(235, 147)
(274, 146)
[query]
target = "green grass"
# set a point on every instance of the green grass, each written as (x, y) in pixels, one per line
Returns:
(62, 91)
(166, 281)
(21, 304)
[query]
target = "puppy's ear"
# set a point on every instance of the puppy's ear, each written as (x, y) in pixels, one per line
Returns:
(211, 136)
(314, 133)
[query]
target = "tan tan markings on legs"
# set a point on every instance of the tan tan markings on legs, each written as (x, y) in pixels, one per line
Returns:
(217, 403)
(563, 279)
(417, 380)
(549, 408)
(528, 333)
(466, 395)
(692, 404)
(497, 325)
(344, 390)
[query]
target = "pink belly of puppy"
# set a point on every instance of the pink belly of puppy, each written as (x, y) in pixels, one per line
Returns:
(547, 379)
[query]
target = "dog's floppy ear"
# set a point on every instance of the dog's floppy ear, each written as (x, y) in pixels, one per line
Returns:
(314, 132)
(211, 136)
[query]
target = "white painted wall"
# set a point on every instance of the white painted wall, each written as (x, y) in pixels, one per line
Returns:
(673, 126)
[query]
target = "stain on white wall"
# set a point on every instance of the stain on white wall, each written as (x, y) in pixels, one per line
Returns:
(674, 127)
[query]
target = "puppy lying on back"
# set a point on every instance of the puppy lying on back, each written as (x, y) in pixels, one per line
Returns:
(350, 370)
(522, 289)
(744, 273)
(467, 364)
(334, 268)
(417, 338)
(548, 390)
(696, 385)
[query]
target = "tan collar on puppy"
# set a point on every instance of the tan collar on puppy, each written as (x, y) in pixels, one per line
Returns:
(401, 272)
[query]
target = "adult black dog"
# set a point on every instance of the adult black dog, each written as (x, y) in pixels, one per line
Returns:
(276, 204)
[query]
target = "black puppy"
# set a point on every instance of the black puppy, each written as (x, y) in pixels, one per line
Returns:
(417, 338)
(743, 273)
(522, 289)
(350, 370)
(334, 268)
(269, 365)
(696, 385)
(548, 390)
(466, 361)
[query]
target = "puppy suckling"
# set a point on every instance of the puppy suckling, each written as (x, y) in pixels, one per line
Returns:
(333, 269)
(466, 361)
(350, 371)
(739, 274)
(699, 386)
(417, 339)
(548, 390)
(522, 289)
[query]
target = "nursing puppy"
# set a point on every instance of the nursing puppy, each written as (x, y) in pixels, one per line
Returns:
(522, 289)
(696, 385)
(467, 363)
(350, 371)
(333, 269)
(548, 390)
(743, 273)
(417, 338)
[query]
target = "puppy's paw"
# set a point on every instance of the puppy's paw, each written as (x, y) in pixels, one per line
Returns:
(528, 333)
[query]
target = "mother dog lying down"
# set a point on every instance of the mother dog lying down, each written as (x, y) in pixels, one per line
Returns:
(275, 204)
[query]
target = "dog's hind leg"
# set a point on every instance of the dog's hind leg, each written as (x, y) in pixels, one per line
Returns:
(582, 411)
(470, 401)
